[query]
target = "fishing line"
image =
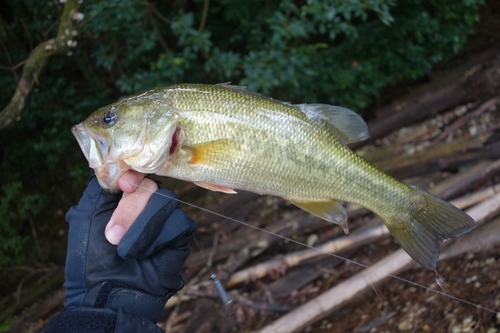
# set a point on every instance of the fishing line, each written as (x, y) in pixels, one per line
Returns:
(322, 251)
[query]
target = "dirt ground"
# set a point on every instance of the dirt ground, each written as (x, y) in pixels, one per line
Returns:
(397, 306)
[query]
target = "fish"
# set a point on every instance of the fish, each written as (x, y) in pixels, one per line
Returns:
(226, 138)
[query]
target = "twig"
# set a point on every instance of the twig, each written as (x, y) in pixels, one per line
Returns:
(157, 13)
(203, 16)
(56, 279)
(320, 306)
(26, 277)
(9, 60)
(16, 66)
(149, 13)
(261, 305)
(37, 312)
(236, 297)
(465, 119)
(202, 26)
(35, 237)
(174, 319)
(28, 33)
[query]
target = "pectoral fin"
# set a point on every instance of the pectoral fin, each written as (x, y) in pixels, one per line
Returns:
(208, 153)
(216, 188)
(329, 210)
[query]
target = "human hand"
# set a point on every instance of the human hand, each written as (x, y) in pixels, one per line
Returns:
(134, 278)
(136, 192)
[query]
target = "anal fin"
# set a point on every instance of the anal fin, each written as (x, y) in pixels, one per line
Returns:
(329, 210)
(216, 188)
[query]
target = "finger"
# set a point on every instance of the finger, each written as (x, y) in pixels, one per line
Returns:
(174, 231)
(129, 208)
(129, 181)
(142, 237)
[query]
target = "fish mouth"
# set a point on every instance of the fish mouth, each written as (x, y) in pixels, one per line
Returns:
(96, 150)
(94, 146)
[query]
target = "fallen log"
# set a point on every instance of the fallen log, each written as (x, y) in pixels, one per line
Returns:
(373, 231)
(293, 281)
(464, 181)
(476, 79)
(435, 158)
(284, 228)
(252, 242)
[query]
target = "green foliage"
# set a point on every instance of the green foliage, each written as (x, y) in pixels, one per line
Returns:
(339, 52)
(335, 51)
(14, 208)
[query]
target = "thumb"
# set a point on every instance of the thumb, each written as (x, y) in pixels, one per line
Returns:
(129, 208)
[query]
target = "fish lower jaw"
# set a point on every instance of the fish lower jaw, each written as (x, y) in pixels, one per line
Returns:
(109, 176)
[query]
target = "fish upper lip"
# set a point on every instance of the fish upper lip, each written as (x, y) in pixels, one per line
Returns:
(83, 139)
(94, 146)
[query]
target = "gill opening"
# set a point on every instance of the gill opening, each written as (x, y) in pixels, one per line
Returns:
(175, 140)
(439, 279)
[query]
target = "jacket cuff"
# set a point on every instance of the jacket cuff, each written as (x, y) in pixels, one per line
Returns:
(93, 320)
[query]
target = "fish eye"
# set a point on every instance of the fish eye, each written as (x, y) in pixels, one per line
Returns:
(109, 118)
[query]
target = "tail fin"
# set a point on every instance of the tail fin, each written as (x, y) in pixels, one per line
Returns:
(432, 221)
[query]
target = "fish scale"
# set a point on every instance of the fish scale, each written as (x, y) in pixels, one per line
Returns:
(228, 138)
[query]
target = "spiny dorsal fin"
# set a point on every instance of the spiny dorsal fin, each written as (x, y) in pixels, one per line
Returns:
(351, 126)
(346, 121)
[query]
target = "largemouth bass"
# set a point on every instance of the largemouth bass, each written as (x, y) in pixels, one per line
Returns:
(224, 138)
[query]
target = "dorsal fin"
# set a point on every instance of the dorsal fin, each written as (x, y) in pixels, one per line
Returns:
(351, 126)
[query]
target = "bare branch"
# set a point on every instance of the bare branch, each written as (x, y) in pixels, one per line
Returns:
(36, 63)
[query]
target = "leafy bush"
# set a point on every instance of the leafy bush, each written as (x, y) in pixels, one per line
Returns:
(339, 52)
(15, 208)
